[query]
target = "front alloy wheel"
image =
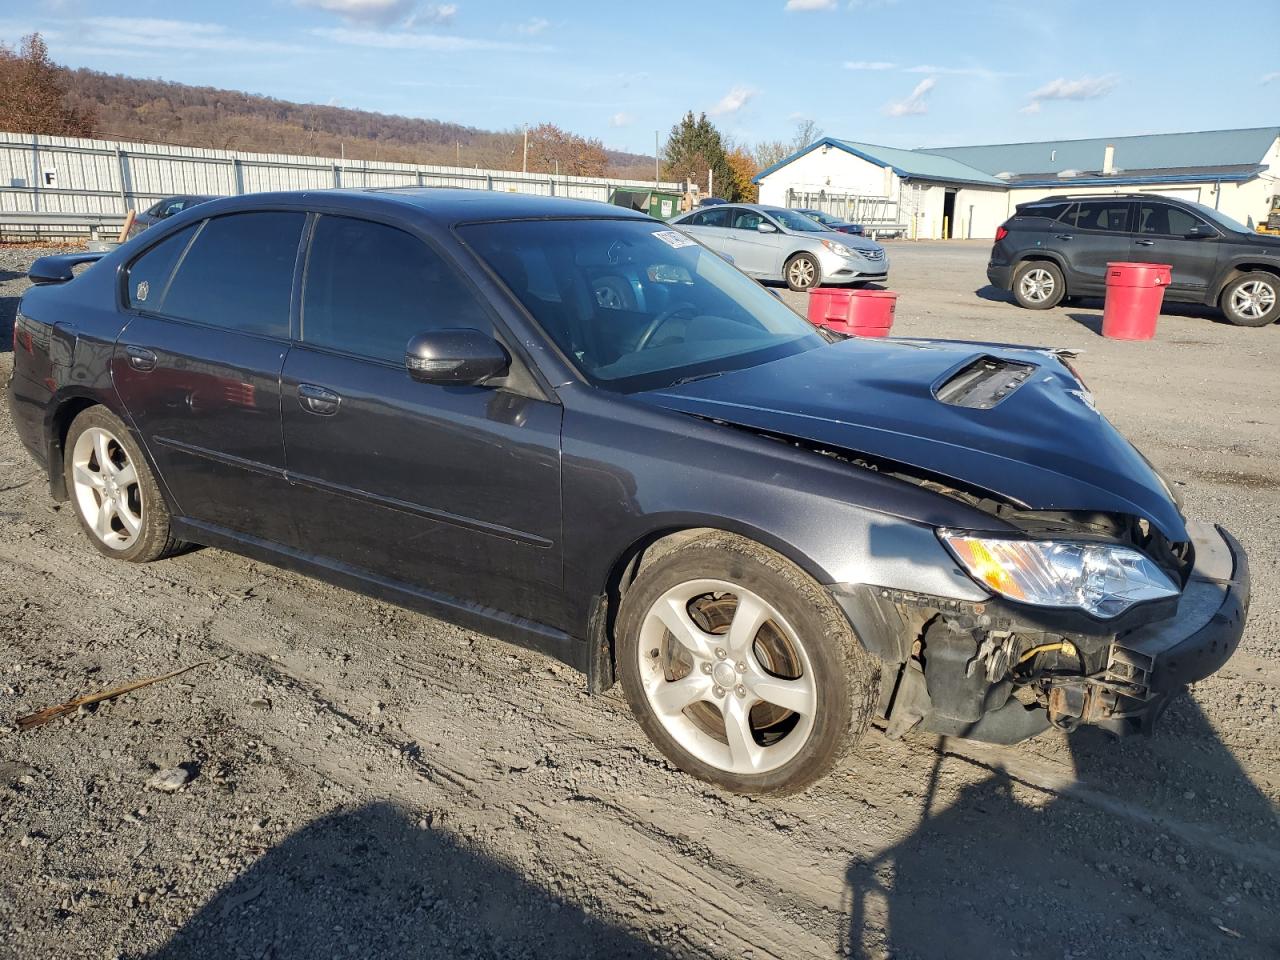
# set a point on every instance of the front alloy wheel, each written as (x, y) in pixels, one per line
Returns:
(740, 667)
(1251, 300)
(727, 676)
(802, 272)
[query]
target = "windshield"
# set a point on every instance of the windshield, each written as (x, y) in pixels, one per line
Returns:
(824, 218)
(1220, 218)
(635, 305)
(794, 220)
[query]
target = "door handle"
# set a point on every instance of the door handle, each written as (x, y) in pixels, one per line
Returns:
(141, 359)
(318, 400)
(1063, 236)
(1145, 243)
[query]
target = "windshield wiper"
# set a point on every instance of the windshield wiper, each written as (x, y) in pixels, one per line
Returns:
(700, 376)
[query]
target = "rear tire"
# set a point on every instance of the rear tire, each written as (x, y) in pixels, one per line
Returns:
(1252, 300)
(741, 668)
(802, 272)
(113, 491)
(1038, 285)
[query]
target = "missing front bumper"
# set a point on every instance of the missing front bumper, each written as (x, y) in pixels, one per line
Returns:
(1128, 687)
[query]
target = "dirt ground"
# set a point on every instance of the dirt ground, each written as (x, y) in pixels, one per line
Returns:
(365, 782)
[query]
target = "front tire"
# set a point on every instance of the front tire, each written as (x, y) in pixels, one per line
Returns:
(1038, 285)
(741, 668)
(1252, 300)
(113, 492)
(802, 272)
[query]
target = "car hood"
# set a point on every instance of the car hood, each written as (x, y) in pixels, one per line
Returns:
(850, 240)
(1040, 443)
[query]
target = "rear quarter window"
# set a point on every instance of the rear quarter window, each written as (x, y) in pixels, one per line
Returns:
(149, 273)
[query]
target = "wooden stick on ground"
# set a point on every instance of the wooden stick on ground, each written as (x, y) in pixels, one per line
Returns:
(128, 225)
(41, 717)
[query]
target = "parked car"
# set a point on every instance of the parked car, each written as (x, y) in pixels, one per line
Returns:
(773, 243)
(163, 209)
(1059, 247)
(834, 223)
(711, 201)
(574, 428)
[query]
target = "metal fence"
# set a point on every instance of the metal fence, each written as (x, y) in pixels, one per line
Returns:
(71, 175)
(879, 216)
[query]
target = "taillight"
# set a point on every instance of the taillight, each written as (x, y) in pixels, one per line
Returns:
(1001, 233)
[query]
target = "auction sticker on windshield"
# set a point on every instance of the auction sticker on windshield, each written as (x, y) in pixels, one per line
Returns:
(674, 239)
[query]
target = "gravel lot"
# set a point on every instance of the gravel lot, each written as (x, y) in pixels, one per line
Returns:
(365, 782)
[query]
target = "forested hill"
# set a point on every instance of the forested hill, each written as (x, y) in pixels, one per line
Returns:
(130, 108)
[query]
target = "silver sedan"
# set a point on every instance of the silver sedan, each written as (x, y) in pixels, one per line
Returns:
(772, 243)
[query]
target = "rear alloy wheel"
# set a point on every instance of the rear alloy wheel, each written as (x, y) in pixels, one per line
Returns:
(1038, 285)
(741, 668)
(1251, 300)
(113, 491)
(802, 272)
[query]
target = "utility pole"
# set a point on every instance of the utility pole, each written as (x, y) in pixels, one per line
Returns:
(711, 182)
(524, 164)
(458, 154)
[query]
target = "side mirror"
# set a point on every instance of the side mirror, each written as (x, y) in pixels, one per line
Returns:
(764, 226)
(462, 356)
(1201, 231)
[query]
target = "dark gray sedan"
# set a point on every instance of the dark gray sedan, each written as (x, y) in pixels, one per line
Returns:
(573, 427)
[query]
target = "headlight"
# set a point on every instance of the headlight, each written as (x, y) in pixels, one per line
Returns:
(839, 249)
(1102, 579)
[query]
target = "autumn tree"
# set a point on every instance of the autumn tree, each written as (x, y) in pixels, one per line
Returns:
(33, 94)
(694, 148)
(553, 150)
(742, 167)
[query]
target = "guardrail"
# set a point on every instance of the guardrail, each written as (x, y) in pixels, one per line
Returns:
(62, 224)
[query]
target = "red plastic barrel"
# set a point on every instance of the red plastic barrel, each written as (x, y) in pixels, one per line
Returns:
(1135, 292)
(863, 313)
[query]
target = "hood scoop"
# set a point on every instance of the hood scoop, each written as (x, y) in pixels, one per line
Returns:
(983, 383)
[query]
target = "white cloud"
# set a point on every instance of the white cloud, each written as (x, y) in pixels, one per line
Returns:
(157, 33)
(914, 104)
(378, 12)
(734, 100)
(621, 120)
(437, 14)
(1085, 88)
(415, 41)
(805, 6)
(934, 70)
(1271, 77)
(533, 27)
(868, 65)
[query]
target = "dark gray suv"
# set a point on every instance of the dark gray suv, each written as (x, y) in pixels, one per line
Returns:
(1059, 247)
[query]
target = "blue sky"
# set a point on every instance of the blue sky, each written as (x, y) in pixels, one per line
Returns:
(898, 72)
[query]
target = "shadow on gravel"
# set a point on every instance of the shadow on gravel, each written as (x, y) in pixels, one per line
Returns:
(1091, 321)
(994, 294)
(370, 884)
(1133, 868)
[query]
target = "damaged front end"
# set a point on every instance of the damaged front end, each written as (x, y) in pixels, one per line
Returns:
(1001, 671)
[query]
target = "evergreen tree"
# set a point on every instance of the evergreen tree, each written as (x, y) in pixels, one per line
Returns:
(694, 148)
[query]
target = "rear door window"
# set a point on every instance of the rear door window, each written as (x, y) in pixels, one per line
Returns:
(238, 273)
(715, 217)
(1109, 215)
(369, 288)
(148, 274)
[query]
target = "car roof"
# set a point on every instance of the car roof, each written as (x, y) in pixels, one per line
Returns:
(443, 205)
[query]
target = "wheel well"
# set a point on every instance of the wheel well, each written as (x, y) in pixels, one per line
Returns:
(1240, 269)
(1040, 258)
(67, 411)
